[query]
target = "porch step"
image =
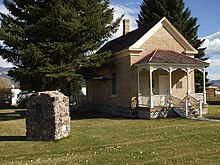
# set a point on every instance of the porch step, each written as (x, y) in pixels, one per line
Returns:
(181, 113)
(193, 111)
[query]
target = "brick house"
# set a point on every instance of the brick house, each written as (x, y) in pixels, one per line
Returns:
(152, 75)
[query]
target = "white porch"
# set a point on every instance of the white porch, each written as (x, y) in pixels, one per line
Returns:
(158, 89)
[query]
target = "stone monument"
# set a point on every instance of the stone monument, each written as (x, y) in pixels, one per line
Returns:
(48, 116)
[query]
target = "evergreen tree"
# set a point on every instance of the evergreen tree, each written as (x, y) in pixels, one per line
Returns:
(52, 43)
(175, 12)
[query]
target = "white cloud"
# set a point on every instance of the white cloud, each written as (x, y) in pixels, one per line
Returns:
(3, 9)
(129, 13)
(4, 63)
(212, 44)
(213, 76)
(213, 36)
(214, 62)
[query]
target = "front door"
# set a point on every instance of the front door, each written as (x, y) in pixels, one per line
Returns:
(163, 85)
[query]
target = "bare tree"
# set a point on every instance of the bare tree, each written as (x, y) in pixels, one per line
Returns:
(5, 82)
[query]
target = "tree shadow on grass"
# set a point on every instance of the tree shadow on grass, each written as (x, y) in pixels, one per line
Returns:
(15, 115)
(77, 115)
(13, 138)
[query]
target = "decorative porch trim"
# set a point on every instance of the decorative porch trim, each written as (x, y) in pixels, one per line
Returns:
(151, 86)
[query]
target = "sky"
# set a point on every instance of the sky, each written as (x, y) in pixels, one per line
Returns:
(207, 12)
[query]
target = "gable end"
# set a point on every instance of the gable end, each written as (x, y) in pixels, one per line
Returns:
(189, 49)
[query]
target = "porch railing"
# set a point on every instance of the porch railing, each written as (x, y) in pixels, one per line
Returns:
(178, 103)
(195, 105)
(179, 106)
(198, 96)
(158, 100)
(144, 100)
(191, 103)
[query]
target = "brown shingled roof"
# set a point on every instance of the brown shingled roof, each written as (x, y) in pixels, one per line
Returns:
(127, 40)
(165, 56)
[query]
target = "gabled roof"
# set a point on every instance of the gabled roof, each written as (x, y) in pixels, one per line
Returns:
(166, 56)
(135, 38)
(125, 41)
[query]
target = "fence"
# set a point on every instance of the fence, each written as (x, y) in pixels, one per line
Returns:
(214, 100)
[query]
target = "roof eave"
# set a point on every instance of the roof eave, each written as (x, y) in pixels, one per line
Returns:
(174, 64)
(137, 50)
(191, 52)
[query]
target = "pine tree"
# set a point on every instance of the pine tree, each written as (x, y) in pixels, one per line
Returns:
(175, 12)
(52, 43)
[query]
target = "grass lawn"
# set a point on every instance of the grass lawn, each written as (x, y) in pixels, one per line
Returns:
(214, 112)
(100, 140)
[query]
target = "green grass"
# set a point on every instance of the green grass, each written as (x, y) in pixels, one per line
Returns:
(100, 140)
(214, 112)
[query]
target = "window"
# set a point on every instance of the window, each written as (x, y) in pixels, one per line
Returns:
(179, 85)
(113, 83)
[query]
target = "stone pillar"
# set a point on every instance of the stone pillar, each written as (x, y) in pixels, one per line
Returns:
(48, 116)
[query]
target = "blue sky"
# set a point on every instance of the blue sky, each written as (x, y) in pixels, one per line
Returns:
(207, 12)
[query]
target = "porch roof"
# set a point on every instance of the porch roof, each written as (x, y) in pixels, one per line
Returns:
(166, 56)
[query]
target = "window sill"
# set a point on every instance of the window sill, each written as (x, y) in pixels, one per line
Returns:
(114, 96)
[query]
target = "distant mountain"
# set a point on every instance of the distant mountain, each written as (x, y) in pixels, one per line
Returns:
(4, 71)
(216, 82)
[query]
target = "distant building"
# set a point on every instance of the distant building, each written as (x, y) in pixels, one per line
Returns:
(213, 90)
(15, 91)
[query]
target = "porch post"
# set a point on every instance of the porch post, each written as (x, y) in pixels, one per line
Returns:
(170, 81)
(138, 81)
(151, 88)
(170, 86)
(204, 90)
(188, 82)
(138, 86)
(188, 92)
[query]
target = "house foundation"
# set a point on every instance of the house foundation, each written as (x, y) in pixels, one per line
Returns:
(139, 112)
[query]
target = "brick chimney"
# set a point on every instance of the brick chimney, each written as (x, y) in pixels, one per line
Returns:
(126, 26)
